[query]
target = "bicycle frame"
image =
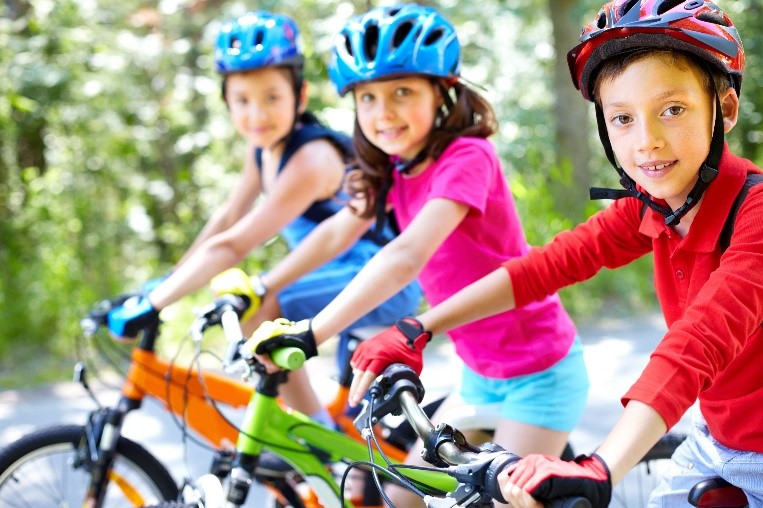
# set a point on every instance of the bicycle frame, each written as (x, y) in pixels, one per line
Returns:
(184, 395)
(193, 396)
(295, 437)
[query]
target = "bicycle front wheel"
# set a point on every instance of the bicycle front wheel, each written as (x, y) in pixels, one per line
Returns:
(638, 484)
(40, 470)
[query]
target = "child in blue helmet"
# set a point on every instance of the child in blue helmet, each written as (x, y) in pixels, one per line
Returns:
(420, 135)
(296, 166)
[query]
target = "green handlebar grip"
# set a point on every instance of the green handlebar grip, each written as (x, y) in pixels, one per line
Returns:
(288, 358)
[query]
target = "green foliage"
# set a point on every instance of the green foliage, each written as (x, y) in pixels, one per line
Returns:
(116, 146)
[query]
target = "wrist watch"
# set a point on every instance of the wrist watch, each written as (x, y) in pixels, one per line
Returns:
(259, 287)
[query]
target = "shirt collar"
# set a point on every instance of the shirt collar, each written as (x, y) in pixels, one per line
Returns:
(713, 209)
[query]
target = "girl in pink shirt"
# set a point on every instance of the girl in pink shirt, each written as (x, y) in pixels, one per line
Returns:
(420, 135)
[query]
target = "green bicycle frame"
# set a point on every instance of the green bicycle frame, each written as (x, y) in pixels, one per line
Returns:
(291, 435)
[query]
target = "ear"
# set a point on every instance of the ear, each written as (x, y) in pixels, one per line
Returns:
(730, 107)
(303, 97)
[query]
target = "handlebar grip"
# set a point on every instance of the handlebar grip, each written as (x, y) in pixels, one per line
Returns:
(289, 358)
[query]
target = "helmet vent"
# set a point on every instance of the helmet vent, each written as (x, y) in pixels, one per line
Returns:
(259, 37)
(601, 20)
(433, 37)
(627, 6)
(666, 5)
(348, 46)
(713, 17)
(235, 43)
(371, 42)
(401, 33)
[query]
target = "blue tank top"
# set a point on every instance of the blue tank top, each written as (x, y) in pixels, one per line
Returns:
(311, 129)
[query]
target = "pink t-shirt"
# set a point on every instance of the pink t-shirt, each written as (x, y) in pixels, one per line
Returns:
(514, 343)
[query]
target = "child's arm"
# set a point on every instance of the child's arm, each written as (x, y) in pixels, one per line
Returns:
(396, 265)
(301, 182)
(488, 296)
(329, 239)
(393, 267)
(637, 430)
(238, 202)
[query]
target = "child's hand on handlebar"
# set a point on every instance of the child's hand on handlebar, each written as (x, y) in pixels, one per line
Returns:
(127, 320)
(548, 478)
(236, 282)
(280, 333)
(401, 343)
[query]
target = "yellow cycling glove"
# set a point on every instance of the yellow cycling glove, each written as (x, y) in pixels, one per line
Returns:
(235, 281)
(282, 333)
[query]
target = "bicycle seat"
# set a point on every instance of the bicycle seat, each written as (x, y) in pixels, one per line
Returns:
(717, 493)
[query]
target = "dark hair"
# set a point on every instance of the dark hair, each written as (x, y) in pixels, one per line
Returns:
(713, 79)
(470, 115)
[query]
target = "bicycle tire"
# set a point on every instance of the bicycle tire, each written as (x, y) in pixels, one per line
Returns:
(637, 485)
(38, 470)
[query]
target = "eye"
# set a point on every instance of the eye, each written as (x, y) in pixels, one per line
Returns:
(621, 120)
(674, 111)
(365, 97)
(402, 91)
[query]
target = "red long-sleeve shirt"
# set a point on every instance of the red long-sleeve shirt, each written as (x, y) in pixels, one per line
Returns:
(712, 301)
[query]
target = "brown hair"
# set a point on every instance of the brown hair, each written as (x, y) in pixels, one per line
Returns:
(470, 115)
(712, 78)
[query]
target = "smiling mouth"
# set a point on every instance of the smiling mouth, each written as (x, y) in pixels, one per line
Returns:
(657, 167)
(390, 133)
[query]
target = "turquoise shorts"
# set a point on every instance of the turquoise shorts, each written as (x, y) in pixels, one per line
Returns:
(554, 398)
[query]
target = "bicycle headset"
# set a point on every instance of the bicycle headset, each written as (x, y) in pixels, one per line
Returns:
(697, 27)
(393, 42)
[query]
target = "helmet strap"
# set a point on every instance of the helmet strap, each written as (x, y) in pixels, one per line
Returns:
(707, 172)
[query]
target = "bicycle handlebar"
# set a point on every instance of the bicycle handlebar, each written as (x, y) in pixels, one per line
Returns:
(225, 310)
(398, 390)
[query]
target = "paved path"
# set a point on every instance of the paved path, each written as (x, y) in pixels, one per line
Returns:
(616, 350)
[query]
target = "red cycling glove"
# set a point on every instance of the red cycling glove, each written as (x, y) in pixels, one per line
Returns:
(547, 478)
(401, 343)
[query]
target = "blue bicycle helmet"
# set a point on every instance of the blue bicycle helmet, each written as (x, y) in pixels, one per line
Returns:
(258, 39)
(388, 42)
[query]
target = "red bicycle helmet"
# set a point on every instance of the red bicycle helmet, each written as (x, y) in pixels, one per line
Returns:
(696, 26)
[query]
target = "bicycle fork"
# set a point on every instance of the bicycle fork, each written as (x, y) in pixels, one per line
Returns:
(97, 451)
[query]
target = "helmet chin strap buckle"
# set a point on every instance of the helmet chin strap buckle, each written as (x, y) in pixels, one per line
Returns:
(707, 173)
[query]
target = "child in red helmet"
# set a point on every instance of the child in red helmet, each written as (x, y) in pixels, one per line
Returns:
(664, 76)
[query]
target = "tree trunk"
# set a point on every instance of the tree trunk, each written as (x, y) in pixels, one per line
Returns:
(573, 154)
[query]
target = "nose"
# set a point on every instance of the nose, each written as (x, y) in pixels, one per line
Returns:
(383, 108)
(650, 134)
(254, 111)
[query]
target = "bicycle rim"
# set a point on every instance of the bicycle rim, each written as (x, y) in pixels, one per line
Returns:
(39, 470)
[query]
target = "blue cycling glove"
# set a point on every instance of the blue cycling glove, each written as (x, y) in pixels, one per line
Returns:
(131, 317)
